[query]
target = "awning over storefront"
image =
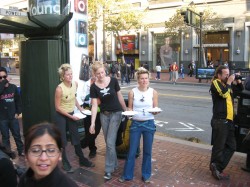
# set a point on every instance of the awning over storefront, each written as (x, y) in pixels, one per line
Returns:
(18, 22)
(221, 45)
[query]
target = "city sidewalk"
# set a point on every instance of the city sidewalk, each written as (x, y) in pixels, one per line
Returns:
(175, 162)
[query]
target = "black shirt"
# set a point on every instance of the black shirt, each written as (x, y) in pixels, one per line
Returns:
(108, 96)
(10, 101)
(55, 179)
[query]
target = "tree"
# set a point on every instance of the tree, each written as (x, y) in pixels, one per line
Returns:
(211, 22)
(118, 15)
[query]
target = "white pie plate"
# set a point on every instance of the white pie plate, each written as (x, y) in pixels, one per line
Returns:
(79, 115)
(129, 113)
(86, 112)
(156, 109)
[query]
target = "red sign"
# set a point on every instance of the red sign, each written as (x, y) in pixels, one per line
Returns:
(128, 42)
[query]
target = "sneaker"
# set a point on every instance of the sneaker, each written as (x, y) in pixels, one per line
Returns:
(217, 174)
(85, 162)
(224, 176)
(107, 176)
(121, 179)
(67, 167)
(146, 180)
(92, 154)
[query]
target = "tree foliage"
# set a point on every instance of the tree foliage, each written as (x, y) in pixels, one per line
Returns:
(210, 21)
(118, 16)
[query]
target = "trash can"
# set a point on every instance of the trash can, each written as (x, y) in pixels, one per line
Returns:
(242, 119)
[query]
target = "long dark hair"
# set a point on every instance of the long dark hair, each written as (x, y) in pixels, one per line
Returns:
(219, 71)
(39, 130)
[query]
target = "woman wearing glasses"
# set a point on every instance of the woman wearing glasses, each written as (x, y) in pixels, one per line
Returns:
(43, 145)
(140, 99)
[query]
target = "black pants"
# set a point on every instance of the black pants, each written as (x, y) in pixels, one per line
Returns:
(224, 143)
(89, 140)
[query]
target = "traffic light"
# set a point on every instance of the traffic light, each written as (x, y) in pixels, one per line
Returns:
(186, 16)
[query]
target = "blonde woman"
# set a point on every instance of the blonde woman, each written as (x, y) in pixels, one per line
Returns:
(65, 101)
(106, 91)
(140, 99)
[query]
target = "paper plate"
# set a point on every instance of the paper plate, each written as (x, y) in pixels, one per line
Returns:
(86, 112)
(156, 109)
(129, 113)
(79, 115)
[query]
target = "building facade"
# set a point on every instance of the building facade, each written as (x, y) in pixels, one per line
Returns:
(230, 45)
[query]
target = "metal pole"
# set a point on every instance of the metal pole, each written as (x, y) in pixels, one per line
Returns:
(104, 37)
(200, 56)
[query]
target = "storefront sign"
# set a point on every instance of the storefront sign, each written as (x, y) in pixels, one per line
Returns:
(40, 7)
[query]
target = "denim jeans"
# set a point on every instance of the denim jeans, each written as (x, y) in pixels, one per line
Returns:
(110, 125)
(13, 126)
(224, 143)
(147, 130)
(158, 75)
(123, 78)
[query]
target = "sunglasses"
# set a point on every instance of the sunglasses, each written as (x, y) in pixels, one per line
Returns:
(3, 77)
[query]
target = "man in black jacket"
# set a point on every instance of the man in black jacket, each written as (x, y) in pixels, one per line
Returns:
(10, 109)
(223, 136)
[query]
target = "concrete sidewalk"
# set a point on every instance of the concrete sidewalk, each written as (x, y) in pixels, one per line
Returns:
(175, 163)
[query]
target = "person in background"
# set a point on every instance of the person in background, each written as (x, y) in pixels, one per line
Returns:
(65, 102)
(132, 74)
(8, 176)
(10, 109)
(106, 91)
(158, 72)
(140, 99)
(123, 71)
(247, 83)
(182, 75)
(170, 72)
(223, 130)
(43, 146)
(128, 74)
(191, 69)
(174, 72)
(84, 71)
(146, 66)
(85, 101)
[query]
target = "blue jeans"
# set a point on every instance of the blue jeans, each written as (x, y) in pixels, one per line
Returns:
(123, 78)
(158, 75)
(13, 126)
(110, 125)
(147, 130)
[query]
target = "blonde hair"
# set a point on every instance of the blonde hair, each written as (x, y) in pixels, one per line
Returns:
(96, 65)
(140, 71)
(63, 68)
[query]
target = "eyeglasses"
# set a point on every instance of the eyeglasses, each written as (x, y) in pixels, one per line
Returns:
(142, 99)
(50, 152)
(3, 77)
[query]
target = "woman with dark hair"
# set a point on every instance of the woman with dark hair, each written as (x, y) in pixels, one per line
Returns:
(8, 176)
(43, 146)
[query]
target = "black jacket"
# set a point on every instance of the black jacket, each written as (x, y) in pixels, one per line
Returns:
(10, 101)
(222, 95)
(55, 179)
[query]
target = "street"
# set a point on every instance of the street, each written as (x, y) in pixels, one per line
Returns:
(187, 111)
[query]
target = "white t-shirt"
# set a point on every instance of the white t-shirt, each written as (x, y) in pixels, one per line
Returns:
(141, 103)
(158, 68)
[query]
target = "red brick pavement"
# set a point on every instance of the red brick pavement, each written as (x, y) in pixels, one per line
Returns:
(175, 163)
